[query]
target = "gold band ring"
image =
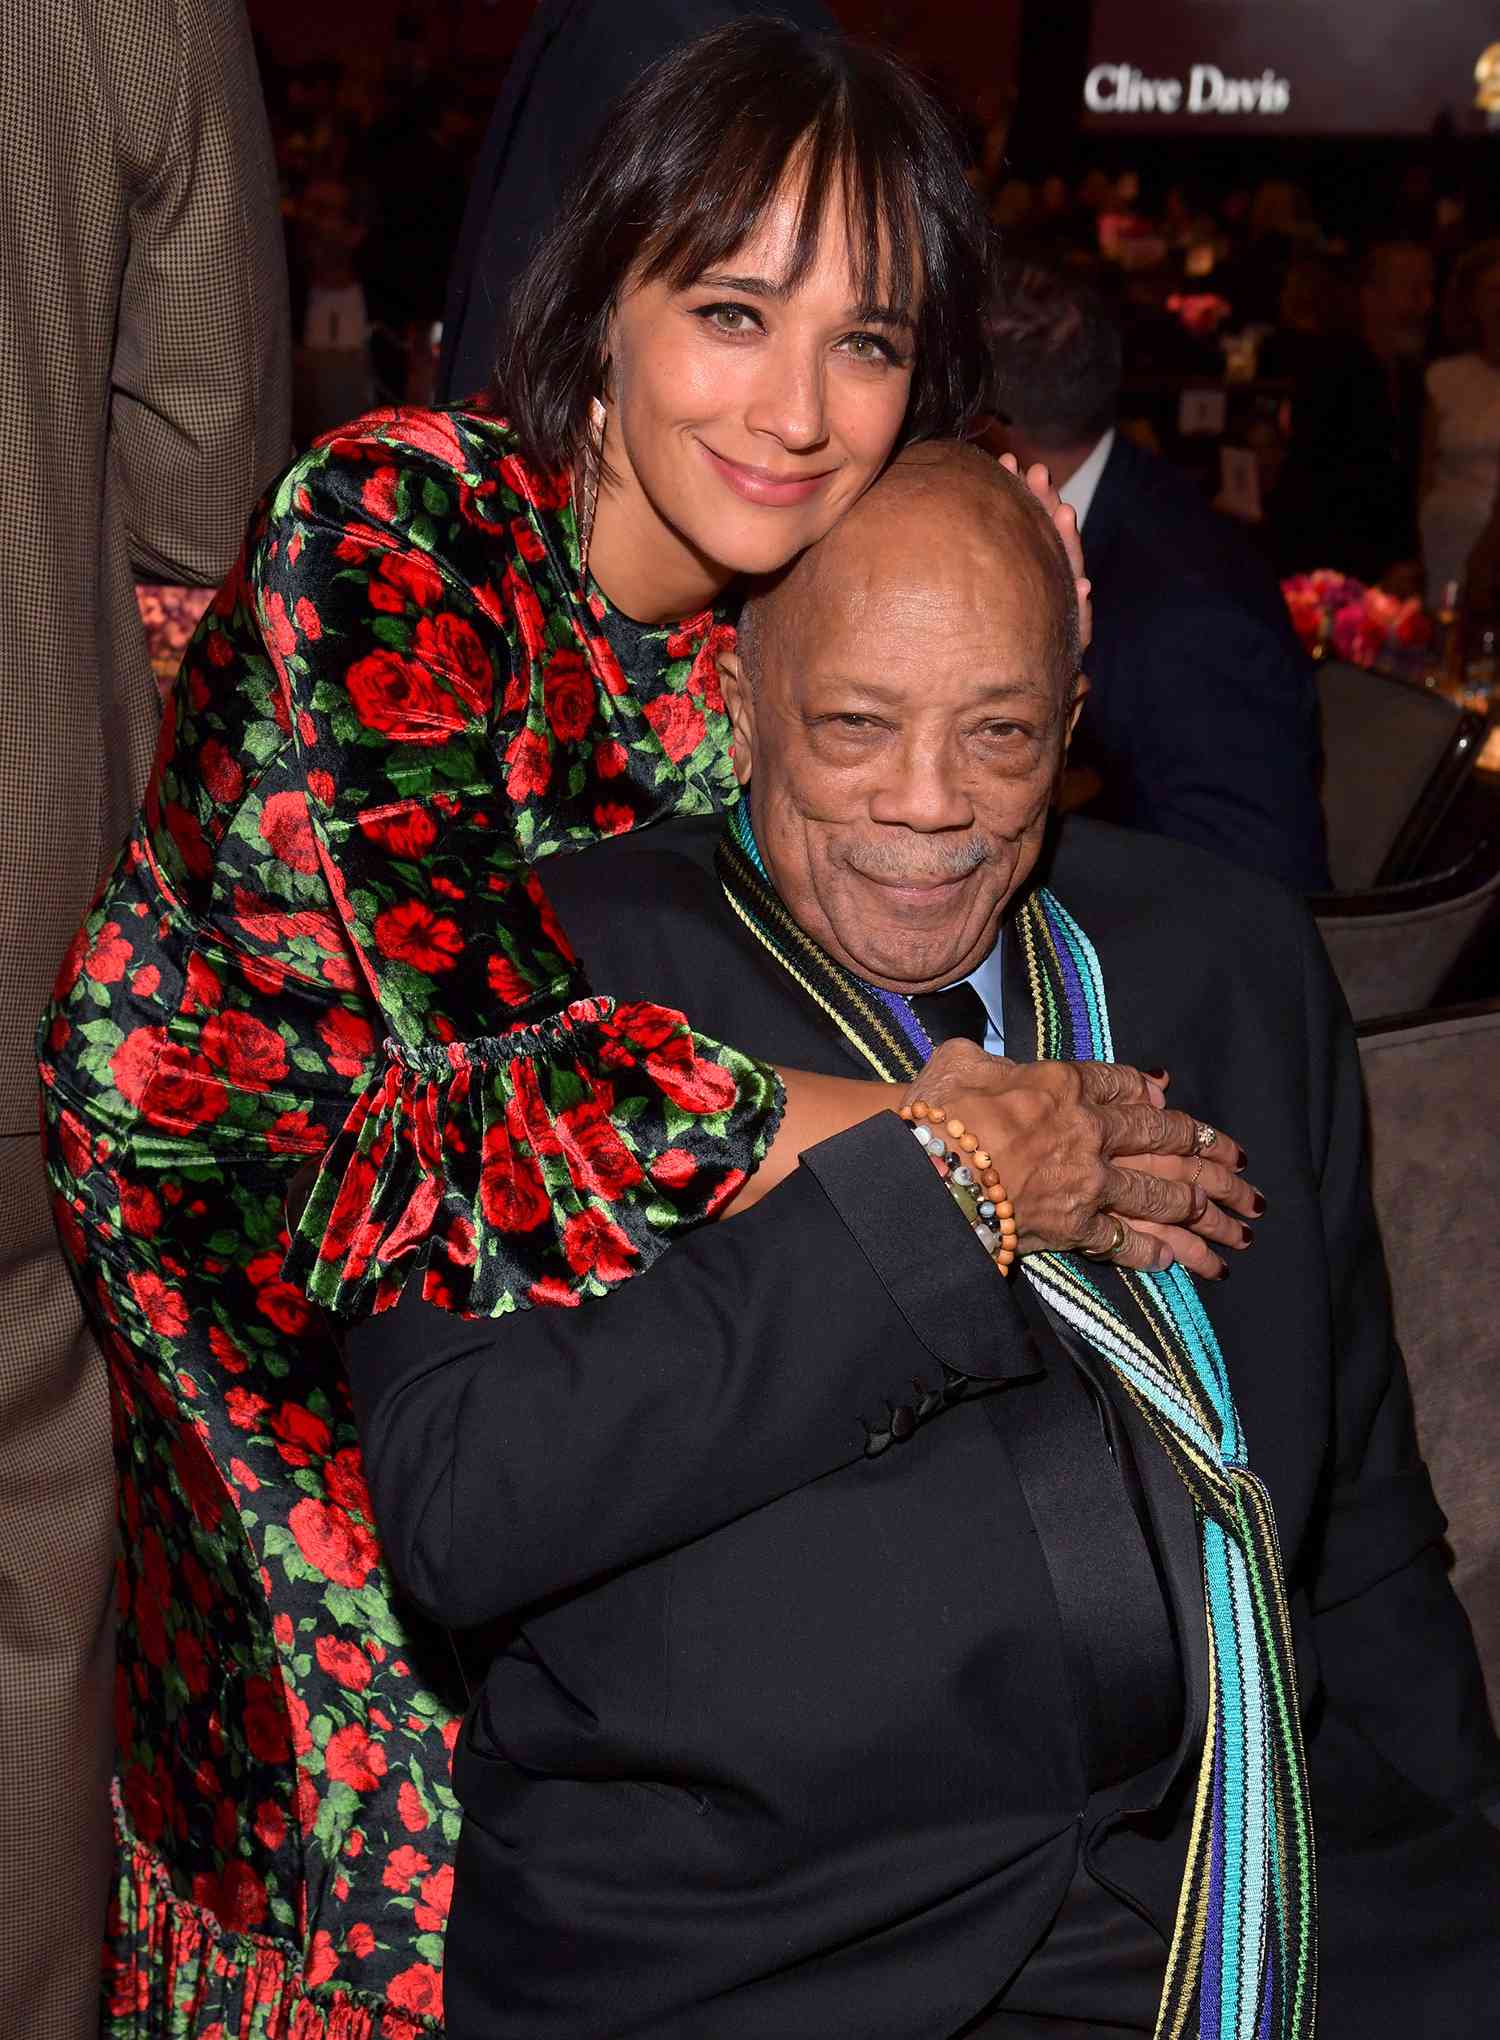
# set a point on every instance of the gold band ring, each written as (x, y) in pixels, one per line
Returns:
(1122, 1233)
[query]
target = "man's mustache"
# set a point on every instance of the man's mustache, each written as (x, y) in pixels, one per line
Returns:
(928, 865)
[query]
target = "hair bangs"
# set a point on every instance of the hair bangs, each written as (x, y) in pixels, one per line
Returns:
(690, 165)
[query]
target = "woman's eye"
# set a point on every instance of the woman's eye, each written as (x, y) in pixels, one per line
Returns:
(870, 347)
(728, 318)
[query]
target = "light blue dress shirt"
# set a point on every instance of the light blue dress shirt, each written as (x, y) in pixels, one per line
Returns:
(989, 982)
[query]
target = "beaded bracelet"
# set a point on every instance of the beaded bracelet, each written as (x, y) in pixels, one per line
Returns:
(972, 1178)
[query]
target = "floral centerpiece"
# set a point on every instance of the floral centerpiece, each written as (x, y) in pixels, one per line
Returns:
(1338, 617)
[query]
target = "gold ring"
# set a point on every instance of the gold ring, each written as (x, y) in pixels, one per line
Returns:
(1108, 1253)
(1197, 1172)
(1204, 1136)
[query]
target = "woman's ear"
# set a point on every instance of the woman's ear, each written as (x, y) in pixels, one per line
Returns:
(739, 699)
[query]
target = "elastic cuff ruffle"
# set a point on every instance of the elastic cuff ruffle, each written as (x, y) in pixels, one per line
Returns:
(541, 1166)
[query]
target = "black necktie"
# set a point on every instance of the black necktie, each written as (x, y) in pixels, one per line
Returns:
(957, 1012)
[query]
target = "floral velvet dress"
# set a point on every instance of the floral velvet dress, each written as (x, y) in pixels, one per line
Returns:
(325, 949)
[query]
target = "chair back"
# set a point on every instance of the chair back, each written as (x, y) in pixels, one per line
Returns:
(1431, 1081)
(1392, 947)
(1395, 757)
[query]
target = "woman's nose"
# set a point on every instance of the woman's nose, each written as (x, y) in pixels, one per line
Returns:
(788, 402)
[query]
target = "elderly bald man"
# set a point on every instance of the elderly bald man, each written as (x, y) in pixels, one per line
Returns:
(882, 1645)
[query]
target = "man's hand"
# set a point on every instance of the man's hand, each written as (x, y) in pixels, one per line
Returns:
(1079, 1145)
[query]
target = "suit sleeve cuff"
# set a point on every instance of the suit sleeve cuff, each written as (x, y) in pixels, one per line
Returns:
(923, 1250)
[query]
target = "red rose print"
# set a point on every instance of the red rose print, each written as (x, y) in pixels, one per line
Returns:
(674, 1169)
(644, 1025)
(202, 988)
(511, 1192)
(249, 1053)
(183, 1092)
(613, 818)
(547, 491)
(598, 1158)
(265, 1721)
(166, 1313)
(109, 956)
(436, 1899)
(610, 759)
(346, 1663)
(351, 1209)
(568, 695)
(226, 1352)
(349, 1039)
(401, 700)
(689, 1079)
(418, 1989)
(703, 677)
(403, 1866)
(429, 432)
(285, 826)
(242, 1897)
(76, 1144)
(412, 933)
(595, 1245)
(343, 1550)
(379, 494)
(507, 981)
(683, 642)
(281, 632)
(451, 648)
(354, 1759)
(300, 1436)
(406, 831)
(186, 832)
(360, 1939)
(270, 1824)
(140, 1210)
(286, 1307)
(220, 773)
(344, 1478)
(244, 1409)
(308, 620)
(724, 1190)
(552, 928)
(414, 1816)
(143, 983)
(678, 723)
(527, 611)
(322, 1958)
(528, 765)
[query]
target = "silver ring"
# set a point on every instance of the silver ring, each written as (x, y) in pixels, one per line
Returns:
(1122, 1233)
(1204, 1136)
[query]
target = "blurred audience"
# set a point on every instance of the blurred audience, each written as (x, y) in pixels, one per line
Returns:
(1202, 715)
(1347, 495)
(1461, 453)
(143, 404)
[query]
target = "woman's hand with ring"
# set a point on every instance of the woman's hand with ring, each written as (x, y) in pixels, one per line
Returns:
(1055, 1131)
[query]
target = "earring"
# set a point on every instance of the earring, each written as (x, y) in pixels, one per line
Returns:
(588, 483)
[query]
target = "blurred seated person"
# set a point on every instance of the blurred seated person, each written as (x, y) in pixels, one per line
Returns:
(1347, 497)
(1461, 450)
(332, 379)
(867, 1691)
(1202, 717)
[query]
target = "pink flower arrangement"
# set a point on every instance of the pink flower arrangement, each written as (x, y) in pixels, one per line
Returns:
(1335, 615)
(1200, 312)
(169, 616)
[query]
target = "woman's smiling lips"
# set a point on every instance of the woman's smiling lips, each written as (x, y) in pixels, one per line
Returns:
(764, 485)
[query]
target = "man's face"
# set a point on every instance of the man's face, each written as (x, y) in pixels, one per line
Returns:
(905, 731)
(1398, 299)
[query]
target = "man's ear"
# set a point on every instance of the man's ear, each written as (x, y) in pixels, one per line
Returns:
(739, 699)
(1080, 689)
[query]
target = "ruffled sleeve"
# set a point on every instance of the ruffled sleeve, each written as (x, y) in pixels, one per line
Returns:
(454, 716)
(540, 1166)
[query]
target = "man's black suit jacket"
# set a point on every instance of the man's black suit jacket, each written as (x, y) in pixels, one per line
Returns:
(779, 1739)
(575, 59)
(1203, 719)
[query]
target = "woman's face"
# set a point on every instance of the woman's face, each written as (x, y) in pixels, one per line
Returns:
(743, 418)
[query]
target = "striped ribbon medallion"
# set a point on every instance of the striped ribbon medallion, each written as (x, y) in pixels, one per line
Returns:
(1243, 1960)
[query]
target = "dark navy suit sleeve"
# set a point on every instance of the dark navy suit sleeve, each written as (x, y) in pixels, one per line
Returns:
(517, 1458)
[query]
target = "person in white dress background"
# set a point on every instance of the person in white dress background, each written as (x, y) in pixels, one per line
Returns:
(1461, 451)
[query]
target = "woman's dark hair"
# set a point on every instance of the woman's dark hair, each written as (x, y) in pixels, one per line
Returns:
(687, 164)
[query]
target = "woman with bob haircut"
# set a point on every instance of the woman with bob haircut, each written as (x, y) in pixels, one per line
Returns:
(456, 642)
